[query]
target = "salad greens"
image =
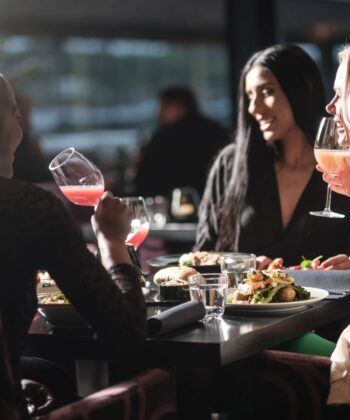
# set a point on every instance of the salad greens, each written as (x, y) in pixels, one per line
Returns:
(269, 294)
(310, 264)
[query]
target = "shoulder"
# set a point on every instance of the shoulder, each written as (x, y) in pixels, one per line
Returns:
(25, 197)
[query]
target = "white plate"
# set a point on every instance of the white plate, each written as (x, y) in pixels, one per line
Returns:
(316, 296)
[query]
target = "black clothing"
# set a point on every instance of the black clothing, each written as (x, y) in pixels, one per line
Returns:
(179, 155)
(29, 164)
(37, 232)
(261, 229)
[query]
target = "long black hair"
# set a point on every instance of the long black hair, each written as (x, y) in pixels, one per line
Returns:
(301, 81)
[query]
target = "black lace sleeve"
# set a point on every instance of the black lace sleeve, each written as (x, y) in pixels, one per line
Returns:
(111, 302)
(209, 210)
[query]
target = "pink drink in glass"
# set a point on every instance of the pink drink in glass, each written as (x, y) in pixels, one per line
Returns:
(139, 236)
(83, 195)
(332, 161)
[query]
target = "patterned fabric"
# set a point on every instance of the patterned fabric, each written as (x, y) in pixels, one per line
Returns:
(260, 225)
(37, 232)
(150, 395)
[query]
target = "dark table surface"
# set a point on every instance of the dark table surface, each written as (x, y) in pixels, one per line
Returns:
(215, 343)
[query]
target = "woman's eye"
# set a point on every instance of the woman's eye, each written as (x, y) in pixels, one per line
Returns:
(266, 92)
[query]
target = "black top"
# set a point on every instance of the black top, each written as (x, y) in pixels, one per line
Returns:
(37, 232)
(261, 228)
(179, 155)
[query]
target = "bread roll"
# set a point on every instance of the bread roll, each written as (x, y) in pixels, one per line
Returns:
(173, 273)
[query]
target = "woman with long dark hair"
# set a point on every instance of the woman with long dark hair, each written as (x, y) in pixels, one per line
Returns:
(261, 187)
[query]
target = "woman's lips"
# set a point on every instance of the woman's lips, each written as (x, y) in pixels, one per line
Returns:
(266, 124)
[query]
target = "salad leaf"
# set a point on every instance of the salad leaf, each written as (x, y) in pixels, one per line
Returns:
(186, 259)
(310, 264)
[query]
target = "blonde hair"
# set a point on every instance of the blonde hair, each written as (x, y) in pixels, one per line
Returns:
(344, 56)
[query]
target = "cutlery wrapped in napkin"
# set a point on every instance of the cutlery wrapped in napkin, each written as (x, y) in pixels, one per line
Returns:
(176, 317)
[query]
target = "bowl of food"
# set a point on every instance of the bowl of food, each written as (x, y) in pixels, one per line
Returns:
(202, 261)
(173, 283)
(58, 311)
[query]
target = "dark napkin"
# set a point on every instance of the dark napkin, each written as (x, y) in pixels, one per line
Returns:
(176, 317)
(323, 279)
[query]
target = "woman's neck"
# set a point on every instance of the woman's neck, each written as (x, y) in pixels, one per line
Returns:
(297, 152)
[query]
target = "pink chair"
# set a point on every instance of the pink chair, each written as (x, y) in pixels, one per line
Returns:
(149, 395)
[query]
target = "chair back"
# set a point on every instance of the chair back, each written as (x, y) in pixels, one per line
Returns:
(148, 396)
(8, 402)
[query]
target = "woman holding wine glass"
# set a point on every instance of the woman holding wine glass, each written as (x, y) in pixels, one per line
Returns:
(262, 187)
(38, 233)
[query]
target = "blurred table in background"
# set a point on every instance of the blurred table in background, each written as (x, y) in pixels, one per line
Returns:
(177, 232)
(183, 232)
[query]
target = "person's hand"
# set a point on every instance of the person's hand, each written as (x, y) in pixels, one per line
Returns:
(339, 182)
(262, 262)
(111, 224)
(338, 262)
(112, 218)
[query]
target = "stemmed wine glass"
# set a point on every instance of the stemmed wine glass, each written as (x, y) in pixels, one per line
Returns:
(140, 220)
(330, 155)
(77, 177)
(83, 184)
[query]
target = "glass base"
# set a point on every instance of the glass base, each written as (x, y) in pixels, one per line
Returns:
(327, 213)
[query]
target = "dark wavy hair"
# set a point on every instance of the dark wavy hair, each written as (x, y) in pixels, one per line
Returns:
(301, 81)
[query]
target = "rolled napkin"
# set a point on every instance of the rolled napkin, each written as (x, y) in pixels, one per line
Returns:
(324, 279)
(176, 317)
(340, 371)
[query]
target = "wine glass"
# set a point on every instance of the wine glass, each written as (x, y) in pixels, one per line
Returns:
(140, 220)
(78, 178)
(330, 155)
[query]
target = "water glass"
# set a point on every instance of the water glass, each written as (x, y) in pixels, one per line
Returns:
(236, 265)
(210, 288)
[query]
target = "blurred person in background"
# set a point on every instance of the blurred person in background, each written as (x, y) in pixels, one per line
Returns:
(261, 187)
(182, 147)
(29, 164)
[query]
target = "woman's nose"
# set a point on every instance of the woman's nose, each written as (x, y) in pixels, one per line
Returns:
(330, 107)
(253, 106)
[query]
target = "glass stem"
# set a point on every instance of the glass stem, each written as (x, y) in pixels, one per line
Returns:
(328, 200)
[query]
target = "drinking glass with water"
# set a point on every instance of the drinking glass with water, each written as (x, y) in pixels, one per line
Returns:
(236, 265)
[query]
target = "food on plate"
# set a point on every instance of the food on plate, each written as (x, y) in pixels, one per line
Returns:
(268, 286)
(53, 298)
(199, 258)
(305, 264)
(173, 282)
(43, 279)
(173, 273)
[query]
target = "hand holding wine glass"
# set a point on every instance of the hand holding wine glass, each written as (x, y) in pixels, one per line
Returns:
(331, 157)
(77, 177)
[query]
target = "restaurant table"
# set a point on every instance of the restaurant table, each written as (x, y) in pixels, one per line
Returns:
(201, 347)
(215, 343)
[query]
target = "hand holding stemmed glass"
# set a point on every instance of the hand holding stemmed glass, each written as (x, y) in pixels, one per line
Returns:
(83, 184)
(331, 157)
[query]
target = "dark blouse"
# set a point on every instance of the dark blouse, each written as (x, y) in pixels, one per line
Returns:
(37, 232)
(261, 228)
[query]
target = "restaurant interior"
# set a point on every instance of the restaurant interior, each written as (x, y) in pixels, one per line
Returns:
(88, 78)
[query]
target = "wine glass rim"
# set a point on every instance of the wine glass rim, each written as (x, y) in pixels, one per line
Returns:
(69, 150)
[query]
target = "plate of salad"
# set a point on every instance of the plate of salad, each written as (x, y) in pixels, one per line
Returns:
(271, 290)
